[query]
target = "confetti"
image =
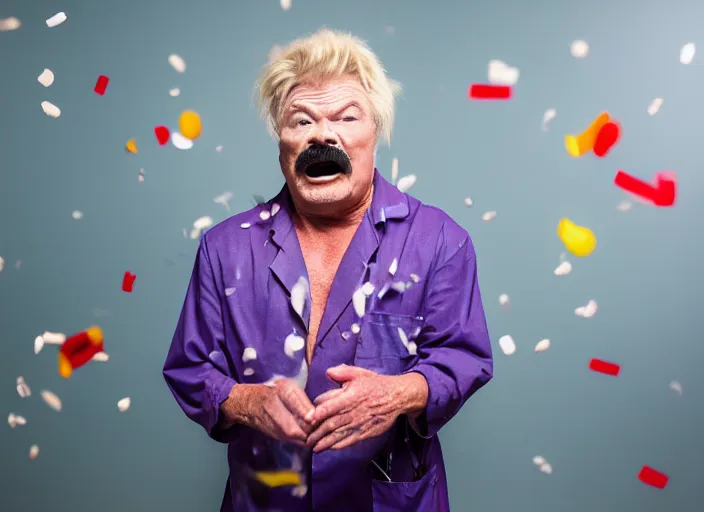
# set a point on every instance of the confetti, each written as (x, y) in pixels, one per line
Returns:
(587, 311)
(177, 63)
(652, 477)
(393, 267)
(248, 372)
(501, 73)
(654, 106)
(578, 240)
(51, 400)
(229, 291)
(218, 149)
(245, 225)
(406, 182)
(605, 367)
(487, 216)
(546, 468)
(54, 338)
(174, 92)
(265, 215)
(190, 125)
(489, 92)
(355, 328)
(128, 281)
(100, 357)
(414, 277)
(280, 478)
(607, 137)
(249, 354)
(162, 134)
(676, 386)
(579, 49)
(412, 348)
(131, 146)
(79, 349)
(56, 20)
(124, 404)
(548, 116)
(181, 142)
(224, 199)
(46, 78)
(275, 207)
(468, 202)
(77, 214)
(22, 388)
(662, 194)
(624, 206)
(368, 288)
(542, 345)
(293, 343)
(15, 421)
(503, 299)
(38, 344)
(200, 225)
(578, 145)
(2, 263)
(299, 491)
(285, 4)
(359, 300)
(9, 24)
(394, 171)
(50, 109)
(563, 268)
(508, 346)
(33, 452)
(539, 460)
(687, 53)
(299, 292)
(101, 85)
(140, 176)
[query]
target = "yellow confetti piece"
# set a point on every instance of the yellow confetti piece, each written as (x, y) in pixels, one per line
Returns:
(278, 478)
(578, 240)
(190, 125)
(577, 145)
(131, 146)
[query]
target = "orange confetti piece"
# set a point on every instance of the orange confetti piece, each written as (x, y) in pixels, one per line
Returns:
(131, 146)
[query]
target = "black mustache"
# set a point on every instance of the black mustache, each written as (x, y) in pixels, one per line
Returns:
(317, 153)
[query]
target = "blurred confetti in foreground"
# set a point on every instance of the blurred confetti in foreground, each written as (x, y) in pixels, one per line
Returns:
(124, 404)
(46, 78)
(33, 452)
(507, 345)
(52, 400)
(56, 20)
(579, 49)
(587, 311)
(8, 24)
(177, 63)
(687, 53)
(22, 388)
(542, 464)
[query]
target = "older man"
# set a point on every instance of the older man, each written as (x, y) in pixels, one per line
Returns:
(328, 334)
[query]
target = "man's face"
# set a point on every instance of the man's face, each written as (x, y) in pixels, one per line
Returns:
(326, 149)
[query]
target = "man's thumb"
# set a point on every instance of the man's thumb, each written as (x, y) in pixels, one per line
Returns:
(343, 372)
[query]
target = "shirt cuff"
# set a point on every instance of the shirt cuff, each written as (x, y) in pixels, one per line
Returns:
(218, 388)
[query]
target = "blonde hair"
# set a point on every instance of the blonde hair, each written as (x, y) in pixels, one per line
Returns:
(326, 54)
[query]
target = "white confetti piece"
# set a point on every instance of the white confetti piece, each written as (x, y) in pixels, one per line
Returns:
(542, 345)
(655, 106)
(177, 63)
(140, 177)
(50, 109)
(174, 92)
(468, 202)
(503, 299)
(367, 288)
(53, 338)
(302, 378)
(124, 404)
(77, 214)
(248, 372)
(579, 49)
(181, 142)
(414, 277)
(548, 116)
(199, 225)
(508, 346)
(38, 344)
(687, 53)
(412, 348)
(402, 335)
(15, 421)
(265, 215)
(100, 357)
(394, 171)
(51, 400)
(546, 468)
(359, 301)
(299, 292)
(624, 206)
(501, 73)
(56, 20)
(406, 182)
(490, 215)
(293, 343)
(218, 149)
(299, 491)
(563, 268)
(587, 311)
(393, 267)
(46, 78)
(355, 328)
(275, 207)
(2, 263)
(538, 460)
(9, 24)
(33, 452)
(676, 386)
(245, 225)
(249, 354)
(229, 291)
(224, 199)
(22, 388)
(285, 4)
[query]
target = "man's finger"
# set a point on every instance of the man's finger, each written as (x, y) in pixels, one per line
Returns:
(344, 373)
(346, 442)
(289, 428)
(334, 438)
(327, 395)
(334, 405)
(295, 400)
(328, 426)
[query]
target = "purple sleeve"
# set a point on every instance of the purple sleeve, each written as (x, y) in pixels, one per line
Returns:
(454, 347)
(191, 370)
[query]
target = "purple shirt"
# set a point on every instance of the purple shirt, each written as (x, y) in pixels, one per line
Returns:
(425, 317)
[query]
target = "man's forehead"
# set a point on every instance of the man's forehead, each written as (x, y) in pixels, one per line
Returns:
(337, 93)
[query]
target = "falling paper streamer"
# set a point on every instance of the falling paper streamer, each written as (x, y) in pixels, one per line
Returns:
(22, 388)
(16, 421)
(393, 267)
(654, 106)
(503, 299)
(285, 4)
(50, 109)
(687, 53)
(181, 142)
(124, 404)
(563, 268)
(468, 202)
(501, 73)
(51, 400)
(605, 367)
(653, 477)
(54, 338)
(46, 78)
(249, 354)
(177, 63)
(587, 311)
(293, 343)
(676, 386)
(406, 182)
(9, 24)
(508, 346)
(299, 292)
(394, 171)
(56, 20)
(33, 452)
(487, 216)
(174, 92)
(579, 49)
(548, 116)
(542, 345)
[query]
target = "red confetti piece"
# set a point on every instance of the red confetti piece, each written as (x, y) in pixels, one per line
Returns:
(128, 282)
(79, 349)
(653, 477)
(606, 138)
(489, 92)
(662, 194)
(162, 134)
(101, 84)
(600, 366)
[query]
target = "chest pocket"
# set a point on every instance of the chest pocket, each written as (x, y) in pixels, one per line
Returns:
(386, 344)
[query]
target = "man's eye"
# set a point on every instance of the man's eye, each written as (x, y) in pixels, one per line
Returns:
(303, 122)
(349, 118)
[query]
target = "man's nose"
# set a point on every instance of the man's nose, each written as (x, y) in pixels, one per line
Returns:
(323, 133)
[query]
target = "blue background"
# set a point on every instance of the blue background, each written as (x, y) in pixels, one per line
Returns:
(596, 431)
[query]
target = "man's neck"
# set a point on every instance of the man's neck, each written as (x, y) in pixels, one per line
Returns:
(314, 224)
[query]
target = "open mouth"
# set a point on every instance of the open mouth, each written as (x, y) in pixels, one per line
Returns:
(323, 170)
